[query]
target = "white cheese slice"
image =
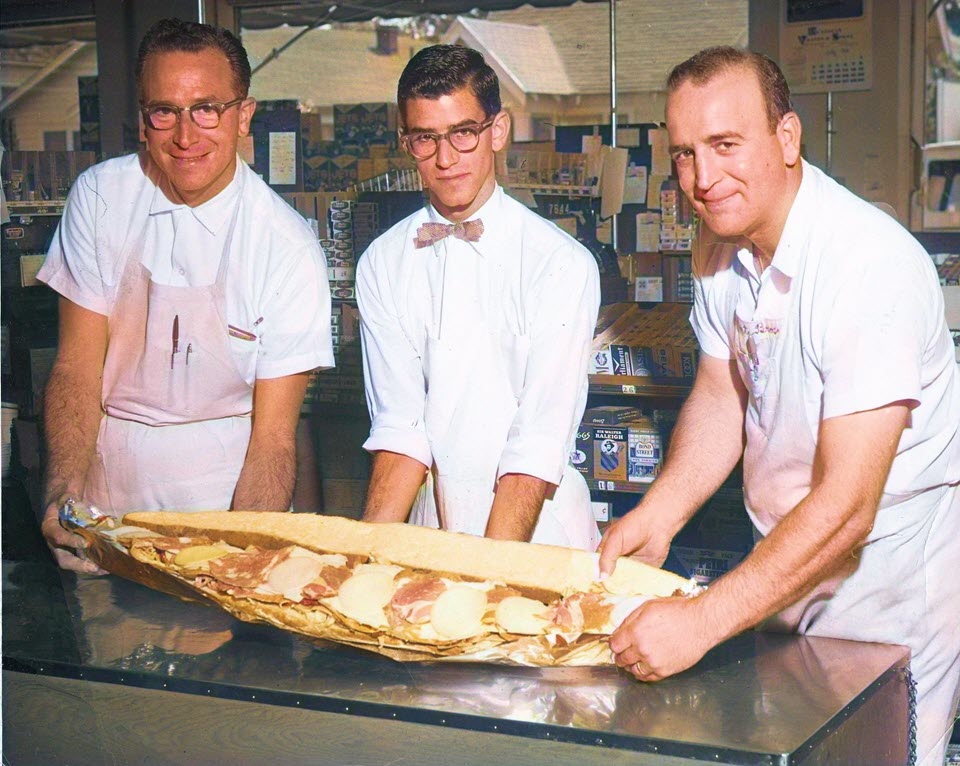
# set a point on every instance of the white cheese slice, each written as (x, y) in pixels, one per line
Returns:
(458, 612)
(521, 615)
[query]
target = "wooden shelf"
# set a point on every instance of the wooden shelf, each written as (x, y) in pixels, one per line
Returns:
(632, 385)
(556, 190)
(35, 207)
(626, 487)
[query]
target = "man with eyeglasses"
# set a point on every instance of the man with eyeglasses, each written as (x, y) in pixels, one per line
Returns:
(193, 305)
(477, 317)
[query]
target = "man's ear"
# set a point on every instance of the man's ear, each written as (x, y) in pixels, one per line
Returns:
(247, 108)
(789, 133)
(500, 131)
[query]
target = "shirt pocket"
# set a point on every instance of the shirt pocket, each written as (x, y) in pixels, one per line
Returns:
(758, 357)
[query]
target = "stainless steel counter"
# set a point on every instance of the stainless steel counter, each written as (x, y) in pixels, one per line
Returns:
(105, 670)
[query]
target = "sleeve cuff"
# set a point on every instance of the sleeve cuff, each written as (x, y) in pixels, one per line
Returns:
(297, 364)
(536, 455)
(710, 346)
(403, 441)
(63, 285)
(851, 399)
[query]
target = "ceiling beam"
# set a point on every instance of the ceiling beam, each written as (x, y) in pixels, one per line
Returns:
(71, 49)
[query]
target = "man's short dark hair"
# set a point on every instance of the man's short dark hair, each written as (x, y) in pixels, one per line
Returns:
(708, 63)
(441, 70)
(175, 35)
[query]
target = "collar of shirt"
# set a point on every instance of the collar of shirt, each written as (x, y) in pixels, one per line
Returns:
(796, 231)
(212, 214)
(491, 212)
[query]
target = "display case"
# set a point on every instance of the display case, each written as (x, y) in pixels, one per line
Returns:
(102, 670)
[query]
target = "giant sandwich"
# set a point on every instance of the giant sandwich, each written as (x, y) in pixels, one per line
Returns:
(405, 591)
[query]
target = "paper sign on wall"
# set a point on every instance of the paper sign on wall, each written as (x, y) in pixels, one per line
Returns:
(283, 159)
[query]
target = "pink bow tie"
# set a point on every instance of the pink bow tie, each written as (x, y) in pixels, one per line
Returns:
(432, 232)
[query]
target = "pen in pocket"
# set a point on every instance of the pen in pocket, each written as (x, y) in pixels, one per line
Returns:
(236, 332)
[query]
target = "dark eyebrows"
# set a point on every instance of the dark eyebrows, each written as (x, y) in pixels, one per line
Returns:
(461, 124)
(721, 137)
(210, 100)
(716, 138)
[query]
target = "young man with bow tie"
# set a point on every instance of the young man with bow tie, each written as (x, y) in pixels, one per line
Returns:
(477, 320)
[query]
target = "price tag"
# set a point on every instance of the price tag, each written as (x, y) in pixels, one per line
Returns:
(626, 389)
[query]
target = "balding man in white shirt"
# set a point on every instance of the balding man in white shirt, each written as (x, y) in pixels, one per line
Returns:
(827, 367)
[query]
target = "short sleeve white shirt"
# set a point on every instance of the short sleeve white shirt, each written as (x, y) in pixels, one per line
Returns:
(848, 317)
(276, 283)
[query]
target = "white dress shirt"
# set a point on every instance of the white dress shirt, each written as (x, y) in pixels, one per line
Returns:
(525, 277)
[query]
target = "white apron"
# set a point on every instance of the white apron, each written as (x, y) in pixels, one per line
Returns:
(903, 587)
(177, 425)
(470, 405)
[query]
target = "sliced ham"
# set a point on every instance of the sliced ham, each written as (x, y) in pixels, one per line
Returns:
(567, 616)
(414, 599)
(248, 569)
(327, 583)
(594, 608)
(499, 592)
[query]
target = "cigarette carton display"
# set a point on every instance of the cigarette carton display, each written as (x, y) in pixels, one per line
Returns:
(629, 451)
(655, 342)
(610, 416)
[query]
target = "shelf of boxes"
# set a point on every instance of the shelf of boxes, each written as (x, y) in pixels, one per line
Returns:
(634, 341)
(35, 208)
(633, 385)
(351, 227)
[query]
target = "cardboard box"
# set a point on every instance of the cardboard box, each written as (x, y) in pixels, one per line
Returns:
(610, 416)
(628, 452)
(648, 289)
(610, 453)
(716, 539)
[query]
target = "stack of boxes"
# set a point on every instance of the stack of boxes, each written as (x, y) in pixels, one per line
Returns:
(541, 166)
(676, 219)
(351, 226)
(339, 251)
(677, 278)
(364, 146)
(343, 384)
(655, 342)
(617, 445)
(658, 277)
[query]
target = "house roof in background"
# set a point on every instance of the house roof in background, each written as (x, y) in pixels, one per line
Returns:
(652, 37)
(327, 66)
(525, 53)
